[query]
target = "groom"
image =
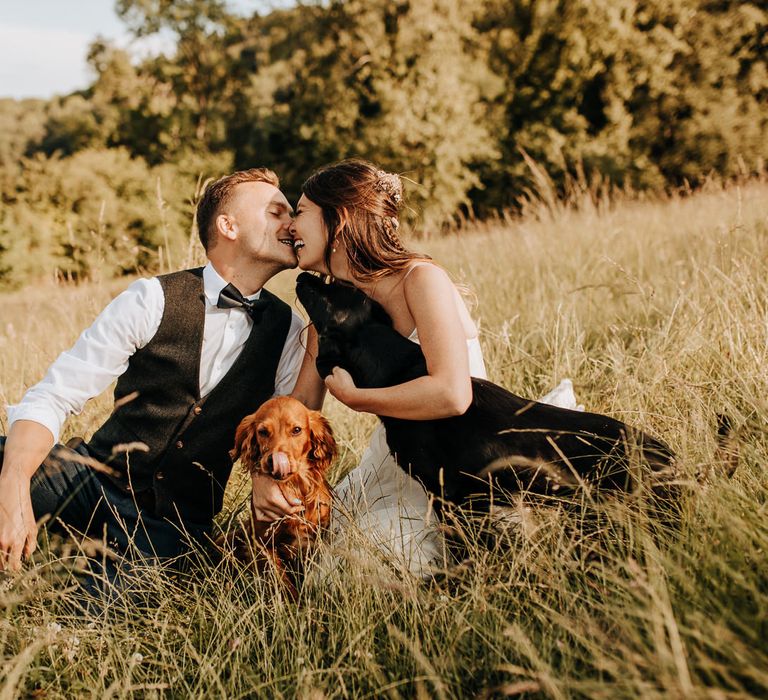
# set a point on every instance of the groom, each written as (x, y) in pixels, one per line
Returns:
(193, 352)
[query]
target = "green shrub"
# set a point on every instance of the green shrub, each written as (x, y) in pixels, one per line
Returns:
(99, 212)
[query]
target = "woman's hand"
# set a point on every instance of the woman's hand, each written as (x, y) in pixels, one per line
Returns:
(341, 385)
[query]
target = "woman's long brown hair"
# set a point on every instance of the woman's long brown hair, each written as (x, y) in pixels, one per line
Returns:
(361, 208)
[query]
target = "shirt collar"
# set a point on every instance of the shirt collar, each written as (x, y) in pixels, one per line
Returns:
(213, 283)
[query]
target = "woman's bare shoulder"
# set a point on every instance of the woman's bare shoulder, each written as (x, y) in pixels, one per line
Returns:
(424, 272)
(427, 279)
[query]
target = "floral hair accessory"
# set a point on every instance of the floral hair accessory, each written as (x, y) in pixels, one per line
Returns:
(389, 183)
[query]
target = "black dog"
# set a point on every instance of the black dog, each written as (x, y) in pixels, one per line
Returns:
(502, 442)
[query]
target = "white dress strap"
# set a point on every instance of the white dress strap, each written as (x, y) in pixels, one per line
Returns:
(412, 268)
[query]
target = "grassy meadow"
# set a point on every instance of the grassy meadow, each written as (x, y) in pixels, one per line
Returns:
(658, 311)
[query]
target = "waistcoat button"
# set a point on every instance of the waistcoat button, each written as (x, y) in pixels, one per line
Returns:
(179, 445)
(197, 410)
(159, 476)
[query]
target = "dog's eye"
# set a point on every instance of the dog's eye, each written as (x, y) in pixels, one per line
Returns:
(263, 432)
(296, 430)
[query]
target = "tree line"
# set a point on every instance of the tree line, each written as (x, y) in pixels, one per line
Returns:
(460, 96)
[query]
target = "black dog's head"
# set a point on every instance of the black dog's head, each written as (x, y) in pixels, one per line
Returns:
(356, 333)
(337, 305)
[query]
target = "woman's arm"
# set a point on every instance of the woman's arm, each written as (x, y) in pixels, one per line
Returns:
(447, 389)
(309, 388)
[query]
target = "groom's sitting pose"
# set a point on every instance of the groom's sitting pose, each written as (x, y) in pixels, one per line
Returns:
(194, 351)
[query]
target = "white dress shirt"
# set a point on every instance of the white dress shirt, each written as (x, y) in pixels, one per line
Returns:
(126, 325)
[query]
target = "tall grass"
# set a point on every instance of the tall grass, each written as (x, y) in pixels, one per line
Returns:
(658, 311)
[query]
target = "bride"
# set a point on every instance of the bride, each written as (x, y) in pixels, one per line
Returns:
(346, 226)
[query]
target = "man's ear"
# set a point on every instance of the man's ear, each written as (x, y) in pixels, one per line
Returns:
(226, 226)
(246, 447)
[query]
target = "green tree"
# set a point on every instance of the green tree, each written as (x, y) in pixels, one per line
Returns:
(196, 75)
(712, 117)
(645, 92)
(22, 127)
(396, 82)
(72, 125)
(95, 212)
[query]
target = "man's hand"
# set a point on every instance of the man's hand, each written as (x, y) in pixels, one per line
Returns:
(26, 446)
(18, 529)
(269, 502)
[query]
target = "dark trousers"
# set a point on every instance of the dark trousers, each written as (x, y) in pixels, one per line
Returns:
(73, 496)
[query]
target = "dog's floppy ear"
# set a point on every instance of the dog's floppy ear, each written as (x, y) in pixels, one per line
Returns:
(246, 447)
(323, 445)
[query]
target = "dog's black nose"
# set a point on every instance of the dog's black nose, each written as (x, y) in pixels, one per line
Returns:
(306, 283)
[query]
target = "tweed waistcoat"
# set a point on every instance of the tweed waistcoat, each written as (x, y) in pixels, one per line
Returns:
(182, 471)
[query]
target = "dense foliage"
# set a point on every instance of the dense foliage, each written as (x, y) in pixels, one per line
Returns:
(459, 95)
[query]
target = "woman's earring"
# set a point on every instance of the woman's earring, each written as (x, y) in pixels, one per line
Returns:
(333, 250)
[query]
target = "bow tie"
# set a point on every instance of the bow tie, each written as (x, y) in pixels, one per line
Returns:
(231, 298)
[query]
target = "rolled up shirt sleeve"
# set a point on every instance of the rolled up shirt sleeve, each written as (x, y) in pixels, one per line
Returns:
(293, 353)
(99, 355)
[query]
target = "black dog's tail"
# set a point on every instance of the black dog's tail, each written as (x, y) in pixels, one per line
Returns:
(727, 452)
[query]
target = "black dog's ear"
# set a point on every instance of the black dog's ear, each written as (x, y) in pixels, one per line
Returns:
(365, 308)
(356, 307)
